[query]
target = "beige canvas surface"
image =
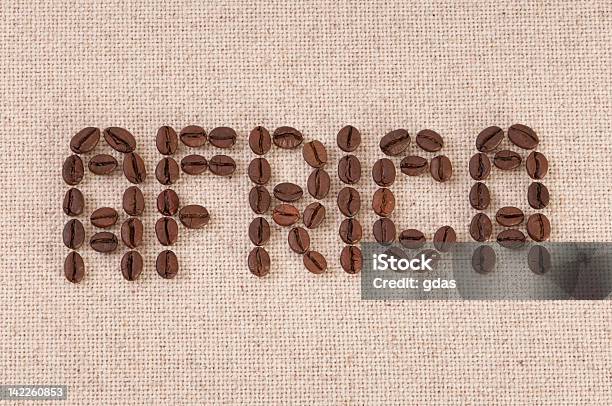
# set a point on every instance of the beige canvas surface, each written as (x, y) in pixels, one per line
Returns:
(218, 335)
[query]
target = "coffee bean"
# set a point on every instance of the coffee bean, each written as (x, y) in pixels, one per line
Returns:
(429, 140)
(507, 160)
(102, 164)
(348, 138)
(523, 136)
(538, 196)
(104, 242)
(299, 240)
(74, 234)
(120, 139)
(538, 227)
(537, 165)
(132, 231)
(287, 138)
(72, 170)
(509, 216)
(412, 239)
(167, 265)
(259, 231)
(349, 169)
(133, 201)
(430, 254)
(85, 140)
(74, 268)
(349, 201)
(194, 164)
(314, 214)
(413, 165)
(259, 262)
(350, 231)
(166, 140)
(481, 227)
(194, 216)
(222, 165)
(441, 168)
(260, 141)
(489, 139)
(511, 238)
(394, 142)
(222, 137)
(168, 202)
(539, 260)
(444, 238)
(383, 202)
(480, 197)
(193, 136)
(285, 215)
(166, 230)
(351, 259)
(384, 231)
(314, 262)
(134, 168)
(259, 199)
(318, 184)
(383, 172)
(167, 171)
(315, 154)
(104, 217)
(74, 202)
(288, 192)
(483, 259)
(480, 166)
(259, 171)
(397, 253)
(131, 265)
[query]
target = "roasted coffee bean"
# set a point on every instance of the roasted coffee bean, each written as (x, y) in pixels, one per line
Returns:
(133, 201)
(74, 268)
(444, 238)
(413, 165)
(523, 136)
(104, 217)
(441, 168)
(222, 137)
(285, 215)
(480, 166)
(348, 138)
(134, 168)
(480, 197)
(397, 253)
(351, 259)
(74, 234)
(299, 240)
(131, 265)
(383, 172)
(350, 231)
(318, 184)
(489, 139)
(167, 265)
(538, 260)
(259, 231)
(314, 214)
(429, 140)
(104, 242)
(483, 259)
(384, 231)
(102, 164)
(431, 254)
(260, 141)
(314, 262)
(349, 201)
(166, 140)
(288, 192)
(538, 227)
(509, 216)
(120, 139)
(394, 142)
(74, 202)
(85, 140)
(72, 170)
(315, 154)
(166, 230)
(259, 199)
(168, 202)
(537, 165)
(383, 202)
(287, 138)
(537, 195)
(259, 171)
(259, 262)
(481, 227)
(193, 136)
(194, 216)
(132, 231)
(167, 171)
(511, 238)
(412, 239)
(507, 160)
(194, 164)
(222, 165)
(349, 169)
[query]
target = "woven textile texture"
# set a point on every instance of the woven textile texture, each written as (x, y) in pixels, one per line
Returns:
(218, 335)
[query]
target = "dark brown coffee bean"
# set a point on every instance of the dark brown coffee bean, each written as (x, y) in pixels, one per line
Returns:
(348, 138)
(131, 265)
(260, 141)
(349, 169)
(259, 171)
(194, 164)
(314, 214)
(102, 164)
(134, 168)
(193, 136)
(120, 139)
(397, 253)
(444, 238)
(166, 140)
(429, 254)
(507, 160)
(537, 195)
(299, 240)
(315, 154)
(194, 216)
(412, 239)
(489, 139)
(384, 231)
(259, 262)
(133, 201)
(132, 231)
(104, 242)
(104, 217)
(168, 202)
(167, 171)
(480, 197)
(538, 227)
(383, 172)
(222, 137)
(74, 202)
(85, 140)
(509, 216)
(539, 260)
(511, 238)
(483, 259)
(167, 265)
(349, 201)
(74, 268)
(383, 202)
(288, 192)
(394, 142)
(429, 140)
(441, 168)
(350, 231)
(72, 170)
(537, 165)
(285, 215)
(74, 234)
(318, 184)
(259, 231)
(287, 138)
(166, 230)
(480, 166)
(481, 227)
(351, 259)
(259, 199)
(413, 165)
(314, 262)
(222, 165)
(523, 136)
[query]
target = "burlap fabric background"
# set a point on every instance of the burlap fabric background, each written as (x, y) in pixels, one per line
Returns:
(216, 334)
